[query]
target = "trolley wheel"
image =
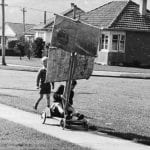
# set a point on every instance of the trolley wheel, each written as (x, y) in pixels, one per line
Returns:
(43, 117)
(62, 123)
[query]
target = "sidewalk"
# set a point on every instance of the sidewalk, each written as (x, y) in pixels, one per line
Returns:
(88, 139)
(95, 73)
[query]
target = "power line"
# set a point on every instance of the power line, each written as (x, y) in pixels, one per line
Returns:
(35, 9)
(41, 10)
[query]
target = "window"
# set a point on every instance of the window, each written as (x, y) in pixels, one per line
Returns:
(41, 34)
(104, 41)
(122, 43)
(118, 42)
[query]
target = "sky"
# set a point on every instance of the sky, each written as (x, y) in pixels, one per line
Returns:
(13, 11)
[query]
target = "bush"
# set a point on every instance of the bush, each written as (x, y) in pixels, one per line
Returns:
(20, 48)
(38, 46)
(10, 52)
(12, 44)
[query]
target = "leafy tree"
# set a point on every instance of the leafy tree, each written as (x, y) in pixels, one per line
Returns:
(38, 46)
(12, 44)
(20, 48)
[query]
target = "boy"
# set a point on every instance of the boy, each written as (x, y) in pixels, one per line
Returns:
(45, 88)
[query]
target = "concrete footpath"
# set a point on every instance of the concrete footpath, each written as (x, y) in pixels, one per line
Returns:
(93, 140)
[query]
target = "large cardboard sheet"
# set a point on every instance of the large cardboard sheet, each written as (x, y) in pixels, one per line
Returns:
(58, 66)
(75, 36)
(72, 36)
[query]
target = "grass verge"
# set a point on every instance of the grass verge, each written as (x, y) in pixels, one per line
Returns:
(15, 136)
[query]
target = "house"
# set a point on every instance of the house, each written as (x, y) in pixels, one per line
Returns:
(125, 28)
(13, 31)
(45, 30)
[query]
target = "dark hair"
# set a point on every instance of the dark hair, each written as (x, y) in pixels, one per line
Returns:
(74, 82)
(60, 89)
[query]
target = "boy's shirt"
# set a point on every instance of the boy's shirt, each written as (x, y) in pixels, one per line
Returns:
(41, 76)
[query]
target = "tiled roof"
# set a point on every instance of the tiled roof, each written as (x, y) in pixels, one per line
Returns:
(68, 13)
(123, 15)
(18, 28)
(39, 26)
(131, 19)
(104, 16)
(48, 25)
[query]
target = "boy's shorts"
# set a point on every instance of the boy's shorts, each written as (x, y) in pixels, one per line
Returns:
(45, 88)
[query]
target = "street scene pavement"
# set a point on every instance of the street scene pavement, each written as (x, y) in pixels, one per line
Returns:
(97, 52)
(101, 140)
(88, 139)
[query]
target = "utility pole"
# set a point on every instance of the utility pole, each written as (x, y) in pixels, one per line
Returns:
(45, 17)
(3, 32)
(24, 27)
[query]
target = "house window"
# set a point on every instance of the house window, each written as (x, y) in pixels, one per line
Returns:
(118, 42)
(104, 41)
(41, 35)
(122, 43)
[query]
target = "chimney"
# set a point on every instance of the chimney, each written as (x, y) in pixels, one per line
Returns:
(143, 7)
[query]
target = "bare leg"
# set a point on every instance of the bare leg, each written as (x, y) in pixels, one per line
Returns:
(36, 104)
(48, 100)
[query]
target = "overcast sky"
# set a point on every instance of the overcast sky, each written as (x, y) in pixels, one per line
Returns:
(14, 13)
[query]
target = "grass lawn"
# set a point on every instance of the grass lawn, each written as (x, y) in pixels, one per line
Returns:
(35, 62)
(15, 136)
(117, 106)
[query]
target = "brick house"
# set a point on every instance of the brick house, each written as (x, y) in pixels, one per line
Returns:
(125, 28)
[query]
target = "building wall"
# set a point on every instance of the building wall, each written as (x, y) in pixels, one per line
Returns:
(111, 56)
(137, 48)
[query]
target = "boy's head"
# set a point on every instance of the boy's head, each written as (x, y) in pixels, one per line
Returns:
(44, 61)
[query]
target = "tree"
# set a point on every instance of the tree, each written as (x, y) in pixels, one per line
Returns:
(20, 48)
(12, 44)
(38, 46)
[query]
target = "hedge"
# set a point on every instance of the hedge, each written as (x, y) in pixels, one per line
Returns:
(10, 52)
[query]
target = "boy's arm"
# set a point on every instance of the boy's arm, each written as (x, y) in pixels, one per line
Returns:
(38, 78)
(53, 85)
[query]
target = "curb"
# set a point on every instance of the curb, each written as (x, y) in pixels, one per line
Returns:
(121, 75)
(95, 73)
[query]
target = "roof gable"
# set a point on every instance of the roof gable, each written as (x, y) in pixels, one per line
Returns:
(8, 31)
(18, 28)
(120, 15)
(104, 16)
(131, 19)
